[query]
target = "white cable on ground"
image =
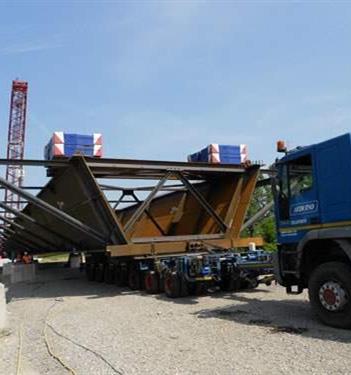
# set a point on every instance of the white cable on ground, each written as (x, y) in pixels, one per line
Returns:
(47, 324)
(19, 355)
(85, 348)
(55, 356)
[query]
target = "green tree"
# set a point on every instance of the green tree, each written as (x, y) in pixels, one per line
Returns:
(265, 227)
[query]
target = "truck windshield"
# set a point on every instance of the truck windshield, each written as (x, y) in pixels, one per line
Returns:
(300, 175)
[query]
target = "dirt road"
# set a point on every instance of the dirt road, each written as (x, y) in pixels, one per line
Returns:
(263, 331)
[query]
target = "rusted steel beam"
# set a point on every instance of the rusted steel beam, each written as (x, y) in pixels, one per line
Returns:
(169, 246)
(29, 219)
(197, 195)
(7, 229)
(54, 211)
(141, 209)
(21, 230)
(105, 217)
(19, 239)
(234, 204)
(147, 212)
(247, 190)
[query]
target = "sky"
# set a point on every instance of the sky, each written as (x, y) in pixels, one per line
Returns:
(162, 79)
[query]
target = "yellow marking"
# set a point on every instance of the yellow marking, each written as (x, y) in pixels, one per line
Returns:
(314, 226)
(204, 278)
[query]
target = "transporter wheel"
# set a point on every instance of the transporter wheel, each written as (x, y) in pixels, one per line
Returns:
(230, 284)
(121, 275)
(184, 286)
(152, 282)
(248, 283)
(172, 285)
(134, 281)
(175, 285)
(230, 280)
(99, 272)
(329, 290)
(90, 271)
(201, 288)
(161, 285)
(192, 288)
(109, 273)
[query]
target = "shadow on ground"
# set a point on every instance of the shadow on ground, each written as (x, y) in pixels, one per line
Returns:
(57, 282)
(278, 316)
(287, 315)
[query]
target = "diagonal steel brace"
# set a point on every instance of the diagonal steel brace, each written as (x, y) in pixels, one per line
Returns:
(198, 196)
(144, 205)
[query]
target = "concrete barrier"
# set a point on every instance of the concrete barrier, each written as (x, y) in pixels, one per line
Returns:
(18, 272)
(2, 307)
(6, 273)
(74, 261)
(22, 272)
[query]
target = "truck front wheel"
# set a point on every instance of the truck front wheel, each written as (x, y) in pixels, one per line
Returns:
(329, 290)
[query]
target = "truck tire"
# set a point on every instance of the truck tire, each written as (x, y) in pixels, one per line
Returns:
(90, 271)
(152, 282)
(329, 290)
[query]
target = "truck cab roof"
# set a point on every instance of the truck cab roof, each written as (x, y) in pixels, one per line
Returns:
(302, 150)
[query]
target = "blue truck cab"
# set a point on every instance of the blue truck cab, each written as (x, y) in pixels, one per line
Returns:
(312, 192)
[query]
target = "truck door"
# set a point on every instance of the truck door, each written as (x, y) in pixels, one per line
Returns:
(303, 194)
(298, 203)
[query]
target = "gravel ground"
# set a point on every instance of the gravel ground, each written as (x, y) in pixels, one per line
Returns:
(263, 331)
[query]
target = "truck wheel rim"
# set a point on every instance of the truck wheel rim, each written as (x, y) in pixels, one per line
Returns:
(332, 296)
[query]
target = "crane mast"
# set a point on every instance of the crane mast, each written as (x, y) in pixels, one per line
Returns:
(15, 142)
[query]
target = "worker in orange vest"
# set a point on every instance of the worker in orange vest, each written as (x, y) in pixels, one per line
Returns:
(26, 259)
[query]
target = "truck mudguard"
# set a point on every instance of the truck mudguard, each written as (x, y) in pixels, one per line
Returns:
(342, 236)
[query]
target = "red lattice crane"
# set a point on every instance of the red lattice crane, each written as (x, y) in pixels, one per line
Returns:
(15, 141)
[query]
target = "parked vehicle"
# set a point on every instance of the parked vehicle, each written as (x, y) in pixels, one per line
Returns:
(313, 215)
